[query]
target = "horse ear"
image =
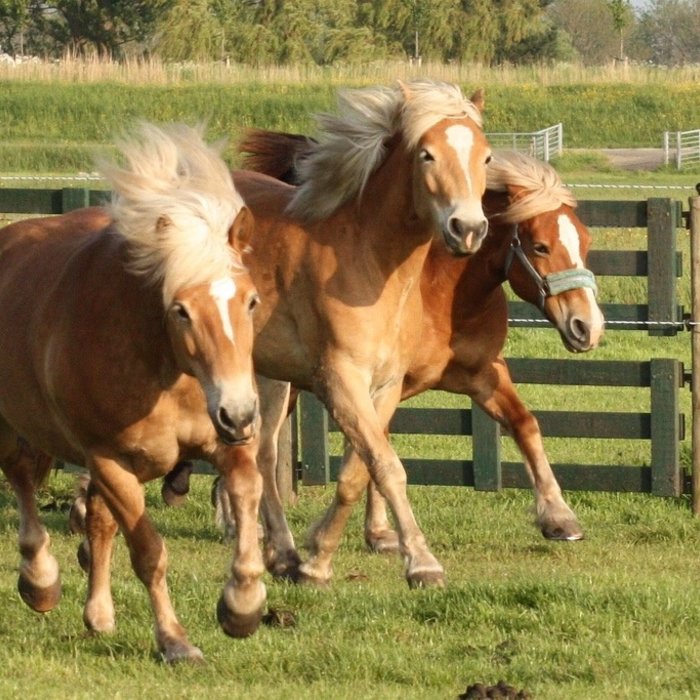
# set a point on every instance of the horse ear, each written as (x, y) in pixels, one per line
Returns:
(477, 99)
(242, 230)
(405, 91)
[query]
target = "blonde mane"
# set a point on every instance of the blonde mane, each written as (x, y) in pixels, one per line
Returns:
(174, 201)
(545, 190)
(352, 144)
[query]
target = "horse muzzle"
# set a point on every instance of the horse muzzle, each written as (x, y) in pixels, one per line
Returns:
(236, 426)
(464, 237)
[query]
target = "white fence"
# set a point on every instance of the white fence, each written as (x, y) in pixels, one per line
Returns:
(544, 144)
(685, 145)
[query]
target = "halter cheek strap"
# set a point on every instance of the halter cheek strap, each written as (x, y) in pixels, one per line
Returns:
(554, 283)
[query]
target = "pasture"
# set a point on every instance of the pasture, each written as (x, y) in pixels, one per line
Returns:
(615, 615)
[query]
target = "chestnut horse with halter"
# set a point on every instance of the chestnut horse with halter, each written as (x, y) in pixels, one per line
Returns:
(539, 245)
(126, 338)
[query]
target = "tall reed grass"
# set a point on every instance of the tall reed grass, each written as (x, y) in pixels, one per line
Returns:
(153, 71)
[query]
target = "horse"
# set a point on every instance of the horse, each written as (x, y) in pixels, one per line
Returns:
(337, 262)
(126, 335)
(539, 245)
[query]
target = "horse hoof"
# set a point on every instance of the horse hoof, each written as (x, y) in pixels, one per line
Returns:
(305, 578)
(563, 535)
(39, 599)
(284, 568)
(237, 625)
(426, 579)
(182, 652)
(84, 556)
(386, 542)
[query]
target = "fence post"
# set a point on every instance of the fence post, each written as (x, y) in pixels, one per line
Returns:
(661, 247)
(695, 344)
(486, 451)
(314, 440)
(679, 152)
(666, 379)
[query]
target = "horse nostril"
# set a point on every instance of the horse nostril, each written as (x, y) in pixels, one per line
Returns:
(484, 229)
(225, 419)
(579, 330)
(456, 227)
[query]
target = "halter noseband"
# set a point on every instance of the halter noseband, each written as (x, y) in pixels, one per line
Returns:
(555, 282)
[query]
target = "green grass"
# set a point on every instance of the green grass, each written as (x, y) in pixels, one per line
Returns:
(612, 616)
(59, 127)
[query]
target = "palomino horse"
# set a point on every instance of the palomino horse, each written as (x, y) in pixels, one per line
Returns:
(126, 338)
(338, 264)
(540, 246)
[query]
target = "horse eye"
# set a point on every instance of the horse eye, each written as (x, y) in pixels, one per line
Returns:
(426, 156)
(488, 159)
(181, 312)
(253, 303)
(541, 249)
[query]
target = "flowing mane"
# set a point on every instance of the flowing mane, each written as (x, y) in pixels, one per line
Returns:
(351, 144)
(546, 191)
(174, 201)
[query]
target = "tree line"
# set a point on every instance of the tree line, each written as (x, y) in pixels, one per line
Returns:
(327, 32)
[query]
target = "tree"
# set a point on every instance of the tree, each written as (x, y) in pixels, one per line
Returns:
(621, 16)
(587, 22)
(190, 30)
(669, 29)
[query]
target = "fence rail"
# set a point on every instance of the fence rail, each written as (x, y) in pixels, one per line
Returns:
(684, 145)
(544, 144)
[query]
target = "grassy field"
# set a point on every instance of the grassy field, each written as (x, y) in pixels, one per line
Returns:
(614, 616)
(56, 117)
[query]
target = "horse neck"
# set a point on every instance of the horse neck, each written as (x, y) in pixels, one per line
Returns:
(388, 203)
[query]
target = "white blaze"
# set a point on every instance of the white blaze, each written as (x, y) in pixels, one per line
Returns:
(568, 235)
(222, 291)
(461, 138)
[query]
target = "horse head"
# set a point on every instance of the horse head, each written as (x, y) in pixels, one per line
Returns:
(450, 156)
(187, 228)
(210, 326)
(546, 265)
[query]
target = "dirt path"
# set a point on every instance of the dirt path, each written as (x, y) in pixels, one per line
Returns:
(630, 158)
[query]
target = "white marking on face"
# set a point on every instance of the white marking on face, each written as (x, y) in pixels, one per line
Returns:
(461, 138)
(568, 235)
(222, 291)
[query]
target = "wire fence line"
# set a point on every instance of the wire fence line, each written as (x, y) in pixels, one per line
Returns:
(94, 177)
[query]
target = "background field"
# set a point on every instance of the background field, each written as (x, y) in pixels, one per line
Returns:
(614, 616)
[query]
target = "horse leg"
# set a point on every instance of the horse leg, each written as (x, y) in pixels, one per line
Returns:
(364, 424)
(242, 600)
(555, 518)
(39, 582)
(380, 536)
(281, 557)
(95, 557)
(176, 484)
(124, 496)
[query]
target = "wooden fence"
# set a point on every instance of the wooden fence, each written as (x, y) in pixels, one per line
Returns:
(306, 436)
(664, 425)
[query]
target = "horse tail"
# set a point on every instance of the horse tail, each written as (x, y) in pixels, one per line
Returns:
(274, 153)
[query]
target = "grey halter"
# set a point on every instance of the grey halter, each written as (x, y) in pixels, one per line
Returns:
(554, 283)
